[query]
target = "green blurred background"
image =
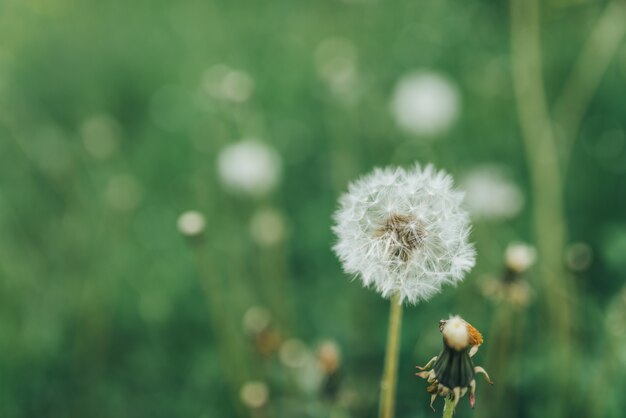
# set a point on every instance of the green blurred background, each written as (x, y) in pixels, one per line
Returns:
(117, 301)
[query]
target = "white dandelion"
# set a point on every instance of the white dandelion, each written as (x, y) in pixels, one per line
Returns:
(425, 103)
(491, 195)
(404, 233)
(191, 223)
(249, 167)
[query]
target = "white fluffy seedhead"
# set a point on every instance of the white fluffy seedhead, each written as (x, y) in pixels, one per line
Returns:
(404, 232)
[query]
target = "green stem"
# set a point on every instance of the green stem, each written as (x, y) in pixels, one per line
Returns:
(390, 374)
(448, 408)
(544, 166)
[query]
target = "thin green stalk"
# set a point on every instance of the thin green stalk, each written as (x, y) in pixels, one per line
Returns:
(543, 161)
(603, 44)
(448, 408)
(390, 374)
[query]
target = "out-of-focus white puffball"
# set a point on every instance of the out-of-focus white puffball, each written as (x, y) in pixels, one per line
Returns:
(519, 256)
(490, 194)
(256, 319)
(254, 394)
(267, 227)
(249, 167)
(425, 103)
(223, 82)
(191, 223)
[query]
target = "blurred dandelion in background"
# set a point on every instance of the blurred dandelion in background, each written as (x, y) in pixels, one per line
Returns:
(267, 227)
(254, 394)
(519, 257)
(490, 194)
(249, 167)
(191, 223)
(425, 103)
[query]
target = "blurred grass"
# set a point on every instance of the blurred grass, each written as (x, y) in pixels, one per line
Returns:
(102, 306)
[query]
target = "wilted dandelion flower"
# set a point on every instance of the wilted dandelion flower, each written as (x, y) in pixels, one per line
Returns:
(425, 103)
(249, 167)
(404, 233)
(453, 372)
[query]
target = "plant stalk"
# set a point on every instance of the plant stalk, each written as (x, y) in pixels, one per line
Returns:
(390, 374)
(448, 408)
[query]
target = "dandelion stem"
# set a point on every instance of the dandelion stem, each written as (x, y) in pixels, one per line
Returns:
(390, 374)
(448, 408)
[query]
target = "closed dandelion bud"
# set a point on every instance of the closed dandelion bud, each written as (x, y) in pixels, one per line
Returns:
(452, 373)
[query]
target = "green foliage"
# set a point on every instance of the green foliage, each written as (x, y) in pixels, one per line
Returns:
(110, 129)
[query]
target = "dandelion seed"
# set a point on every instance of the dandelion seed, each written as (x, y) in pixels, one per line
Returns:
(249, 167)
(191, 223)
(425, 103)
(403, 232)
(452, 373)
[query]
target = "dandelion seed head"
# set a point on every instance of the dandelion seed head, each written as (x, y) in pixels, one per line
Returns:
(404, 232)
(249, 167)
(254, 394)
(294, 353)
(519, 257)
(256, 319)
(425, 103)
(490, 194)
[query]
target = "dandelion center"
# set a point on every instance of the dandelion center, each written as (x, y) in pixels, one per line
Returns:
(404, 234)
